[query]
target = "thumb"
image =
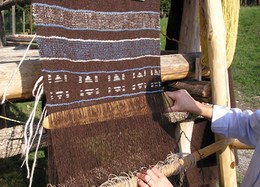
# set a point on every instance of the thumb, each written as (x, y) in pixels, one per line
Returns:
(169, 98)
(173, 108)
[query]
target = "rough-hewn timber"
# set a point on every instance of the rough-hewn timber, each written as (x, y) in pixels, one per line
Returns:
(173, 67)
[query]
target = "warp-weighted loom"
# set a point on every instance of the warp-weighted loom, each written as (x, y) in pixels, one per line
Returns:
(110, 71)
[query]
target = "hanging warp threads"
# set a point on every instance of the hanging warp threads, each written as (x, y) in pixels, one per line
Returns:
(102, 57)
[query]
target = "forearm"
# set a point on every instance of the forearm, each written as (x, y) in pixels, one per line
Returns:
(243, 125)
(204, 110)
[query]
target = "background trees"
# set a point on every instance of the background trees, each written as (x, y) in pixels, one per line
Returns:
(165, 6)
(5, 5)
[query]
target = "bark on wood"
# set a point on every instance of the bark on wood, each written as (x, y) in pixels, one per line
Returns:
(11, 141)
(196, 88)
(179, 66)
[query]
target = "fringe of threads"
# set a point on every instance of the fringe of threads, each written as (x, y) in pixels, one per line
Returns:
(172, 165)
(30, 133)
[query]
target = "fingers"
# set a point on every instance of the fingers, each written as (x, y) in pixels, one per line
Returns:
(151, 173)
(143, 176)
(152, 178)
(181, 99)
(157, 172)
(173, 96)
(142, 183)
(146, 178)
(172, 109)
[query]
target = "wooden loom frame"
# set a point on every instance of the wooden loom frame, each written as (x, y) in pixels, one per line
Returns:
(215, 39)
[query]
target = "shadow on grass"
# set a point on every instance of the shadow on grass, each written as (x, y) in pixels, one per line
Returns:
(12, 175)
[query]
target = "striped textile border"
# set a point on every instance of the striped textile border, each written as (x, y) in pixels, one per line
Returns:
(97, 42)
(78, 50)
(95, 20)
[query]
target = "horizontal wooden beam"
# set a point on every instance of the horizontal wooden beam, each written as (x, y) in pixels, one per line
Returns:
(9, 3)
(20, 38)
(11, 141)
(200, 90)
(23, 81)
(173, 67)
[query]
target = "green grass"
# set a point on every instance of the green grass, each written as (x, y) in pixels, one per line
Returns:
(12, 175)
(246, 63)
(163, 30)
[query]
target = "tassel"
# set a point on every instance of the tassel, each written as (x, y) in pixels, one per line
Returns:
(29, 133)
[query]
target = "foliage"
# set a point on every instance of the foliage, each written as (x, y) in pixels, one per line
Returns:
(18, 19)
(165, 6)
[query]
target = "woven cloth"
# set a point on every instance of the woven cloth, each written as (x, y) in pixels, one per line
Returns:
(100, 61)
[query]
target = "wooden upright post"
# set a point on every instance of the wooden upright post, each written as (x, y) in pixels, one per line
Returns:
(23, 21)
(189, 42)
(2, 27)
(216, 45)
(31, 20)
(13, 20)
(190, 28)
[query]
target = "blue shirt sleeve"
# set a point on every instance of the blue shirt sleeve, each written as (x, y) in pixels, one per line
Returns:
(234, 123)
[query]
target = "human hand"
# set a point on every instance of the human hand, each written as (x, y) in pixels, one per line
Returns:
(152, 178)
(183, 102)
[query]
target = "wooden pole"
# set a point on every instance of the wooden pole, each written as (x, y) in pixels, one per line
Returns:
(13, 20)
(23, 21)
(31, 19)
(189, 42)
(174, 167)
(12, 141)
(216, 43)
(2, 27)
(190, 32)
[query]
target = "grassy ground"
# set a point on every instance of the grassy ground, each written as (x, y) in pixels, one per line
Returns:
(163, 33)
(246, 79)
(246, 64)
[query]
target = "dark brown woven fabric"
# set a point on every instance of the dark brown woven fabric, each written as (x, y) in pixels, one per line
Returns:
(99, 58)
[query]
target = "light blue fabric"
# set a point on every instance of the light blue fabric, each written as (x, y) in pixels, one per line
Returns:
(245, 126)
